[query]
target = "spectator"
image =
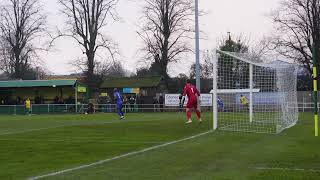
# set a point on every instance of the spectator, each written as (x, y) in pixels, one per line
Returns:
(125, 102)
(60, 101)
(42, 100)
(7, 101)
(37, 100)
(155, 104)
(70, 100)
(18, 100)
(28, 106)
(220, 104)
(109, 106)
(244, 101)
(90, 109)
(132, 101)
(128, 104)
(108, 99)
(139, 102)
(56, 100)
(161, 101)
(181, 102)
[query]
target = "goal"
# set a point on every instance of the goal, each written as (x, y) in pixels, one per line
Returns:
(253, 94)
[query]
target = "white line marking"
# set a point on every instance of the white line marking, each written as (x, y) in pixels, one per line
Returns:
(117, 157)
(286, 169)
(4, 131)
(69, 125)
(86, 140)
(30, 130)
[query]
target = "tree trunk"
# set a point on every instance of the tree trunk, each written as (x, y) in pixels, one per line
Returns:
(17, 65)
(90, 71)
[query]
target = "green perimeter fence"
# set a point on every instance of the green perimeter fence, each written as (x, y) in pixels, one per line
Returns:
(106, 108)
(82, 108)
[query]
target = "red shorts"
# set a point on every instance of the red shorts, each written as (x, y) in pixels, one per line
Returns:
(192, 103)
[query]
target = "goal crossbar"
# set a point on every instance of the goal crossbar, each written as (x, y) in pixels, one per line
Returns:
(234, 91)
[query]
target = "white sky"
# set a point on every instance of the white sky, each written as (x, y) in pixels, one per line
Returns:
(247, 17)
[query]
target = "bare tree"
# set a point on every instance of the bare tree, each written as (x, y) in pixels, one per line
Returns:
(113, 69)
(6, 63)
(206, 67)
(166, 31)
(22, 23)
(298, 29)
(238, 43)
(226, 43)
(86, 20)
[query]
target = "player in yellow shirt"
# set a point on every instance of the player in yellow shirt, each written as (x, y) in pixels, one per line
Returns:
(28, 106)
(244, 101)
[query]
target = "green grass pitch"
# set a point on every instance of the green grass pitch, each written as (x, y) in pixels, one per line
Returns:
(37, 145)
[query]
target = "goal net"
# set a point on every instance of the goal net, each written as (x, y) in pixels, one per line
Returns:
(252, 94)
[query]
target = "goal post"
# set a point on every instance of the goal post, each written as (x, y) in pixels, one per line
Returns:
(255, 94)
(215, 90)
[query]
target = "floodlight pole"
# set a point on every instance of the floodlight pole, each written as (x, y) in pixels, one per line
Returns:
(197, 45)
(251, 93)
(315, 87)
(76, 97)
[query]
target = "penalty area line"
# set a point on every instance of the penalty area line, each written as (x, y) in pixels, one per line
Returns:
(117, 157)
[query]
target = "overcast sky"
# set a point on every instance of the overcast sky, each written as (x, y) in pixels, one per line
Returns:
(247, 17)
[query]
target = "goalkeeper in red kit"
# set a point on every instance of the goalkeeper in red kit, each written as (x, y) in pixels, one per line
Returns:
(193, 101)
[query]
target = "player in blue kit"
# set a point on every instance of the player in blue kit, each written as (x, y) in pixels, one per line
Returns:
(119, 103)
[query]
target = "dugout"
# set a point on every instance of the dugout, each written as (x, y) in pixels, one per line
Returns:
(68, 91)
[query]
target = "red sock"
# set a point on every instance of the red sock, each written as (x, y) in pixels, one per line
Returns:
(188, 115)
(198, 114)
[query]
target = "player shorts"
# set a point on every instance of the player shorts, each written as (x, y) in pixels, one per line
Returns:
(119, 105)
(192, 103)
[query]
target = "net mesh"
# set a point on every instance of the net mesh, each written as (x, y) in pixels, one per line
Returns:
(254, 95)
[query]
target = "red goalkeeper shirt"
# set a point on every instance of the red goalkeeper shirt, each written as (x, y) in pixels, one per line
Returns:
(191, 91)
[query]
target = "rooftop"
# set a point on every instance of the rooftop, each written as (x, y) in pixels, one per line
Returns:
(36, 83)
(132, 82)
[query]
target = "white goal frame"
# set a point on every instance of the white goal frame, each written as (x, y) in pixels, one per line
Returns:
(251, 90)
